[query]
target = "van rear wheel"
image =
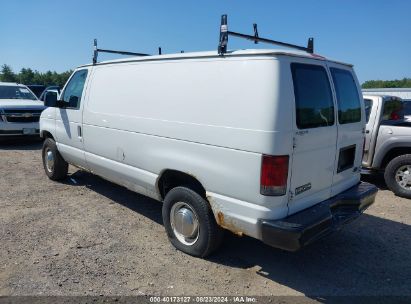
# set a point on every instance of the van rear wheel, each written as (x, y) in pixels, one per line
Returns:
(55, 166)
(397, 175)
(190, 223)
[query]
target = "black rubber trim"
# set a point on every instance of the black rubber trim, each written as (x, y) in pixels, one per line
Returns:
(304, 227)
(14, 132)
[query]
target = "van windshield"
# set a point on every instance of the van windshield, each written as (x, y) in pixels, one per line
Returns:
(16, 92)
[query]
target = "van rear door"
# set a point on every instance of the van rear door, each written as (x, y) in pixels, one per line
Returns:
(351, 127)
(315, 134)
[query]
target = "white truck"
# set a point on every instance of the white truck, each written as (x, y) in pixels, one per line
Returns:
(266, 143)
(19, 110)
(403, 93)
(388, 142)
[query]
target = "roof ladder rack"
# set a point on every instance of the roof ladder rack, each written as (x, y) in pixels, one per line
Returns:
(97, 50)
(224, 33)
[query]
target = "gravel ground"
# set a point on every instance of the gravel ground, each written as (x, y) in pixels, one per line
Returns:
(87, 236)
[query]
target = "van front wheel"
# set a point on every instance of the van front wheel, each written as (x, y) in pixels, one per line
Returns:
(190, 223)
(397, 175)
(54, 165)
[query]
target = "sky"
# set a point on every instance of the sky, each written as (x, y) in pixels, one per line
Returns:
(373, 35)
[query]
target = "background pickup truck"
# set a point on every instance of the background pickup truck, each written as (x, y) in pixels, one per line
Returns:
(387, 146)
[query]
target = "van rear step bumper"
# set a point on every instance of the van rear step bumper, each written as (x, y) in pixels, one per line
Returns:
(306, 226)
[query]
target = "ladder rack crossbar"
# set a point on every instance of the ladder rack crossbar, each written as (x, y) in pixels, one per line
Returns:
(224, 33)
(265, 40)
(97, 50)
(122, 52)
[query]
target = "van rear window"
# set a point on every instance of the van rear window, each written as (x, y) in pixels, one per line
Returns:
(348, 100)
(313, 97)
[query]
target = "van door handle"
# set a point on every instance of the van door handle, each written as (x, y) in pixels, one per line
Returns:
(79, 131)
(367, 131)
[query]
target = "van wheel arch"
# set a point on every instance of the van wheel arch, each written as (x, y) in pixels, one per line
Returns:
(170, 179)
(46, 134)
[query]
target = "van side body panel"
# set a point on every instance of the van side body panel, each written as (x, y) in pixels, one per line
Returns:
(210, 118)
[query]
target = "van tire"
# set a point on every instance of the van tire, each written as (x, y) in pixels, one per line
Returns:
(209, 235)
(57, 168)
(390, 175)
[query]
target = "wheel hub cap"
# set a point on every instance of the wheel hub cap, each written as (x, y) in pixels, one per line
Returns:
(49, 160)
(184, 222)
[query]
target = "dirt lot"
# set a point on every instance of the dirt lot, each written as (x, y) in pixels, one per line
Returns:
(88, 236)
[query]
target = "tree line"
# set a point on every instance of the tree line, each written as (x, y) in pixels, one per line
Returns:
(28, 76)
(372, 84)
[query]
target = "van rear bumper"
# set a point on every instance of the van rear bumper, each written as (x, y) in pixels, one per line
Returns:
(297, 230)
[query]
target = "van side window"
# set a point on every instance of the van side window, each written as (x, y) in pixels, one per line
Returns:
(313, 97)
(368, 107)
(74, 89)
(348, 100)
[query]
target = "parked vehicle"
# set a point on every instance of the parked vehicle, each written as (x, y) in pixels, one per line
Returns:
(37, 89)
(249, 141)
(403, 93)
(388, 142)
(19, 110)
(54, 89)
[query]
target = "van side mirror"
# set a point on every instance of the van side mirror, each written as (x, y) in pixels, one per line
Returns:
(73, 101)
(50, 100)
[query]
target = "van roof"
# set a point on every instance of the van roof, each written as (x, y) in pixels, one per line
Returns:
(211, 54)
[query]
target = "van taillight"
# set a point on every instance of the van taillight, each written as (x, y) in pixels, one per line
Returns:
(274, 174)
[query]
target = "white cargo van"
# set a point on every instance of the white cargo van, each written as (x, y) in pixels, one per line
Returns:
(266, 143)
